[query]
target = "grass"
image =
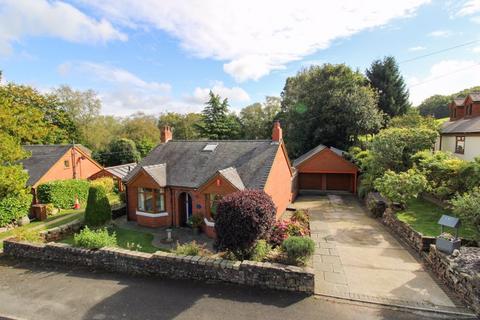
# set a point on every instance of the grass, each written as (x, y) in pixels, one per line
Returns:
(141, 241)
(423, 216)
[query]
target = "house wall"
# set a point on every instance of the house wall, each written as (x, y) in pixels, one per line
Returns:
(327, 161)
(279, 181)
(84, 167)
(472, 146)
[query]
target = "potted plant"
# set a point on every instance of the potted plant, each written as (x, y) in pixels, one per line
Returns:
(447, 243)
(195, 222)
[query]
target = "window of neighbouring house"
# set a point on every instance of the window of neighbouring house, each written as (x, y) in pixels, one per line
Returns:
(212, 200)
(151, 200)
(66, 164)
(460, 144)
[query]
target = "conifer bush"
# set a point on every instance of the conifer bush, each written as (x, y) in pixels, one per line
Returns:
(98, 210)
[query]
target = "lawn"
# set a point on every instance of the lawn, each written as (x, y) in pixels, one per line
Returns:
(127, 237)
(423, 216)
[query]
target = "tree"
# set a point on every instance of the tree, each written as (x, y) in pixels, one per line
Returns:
(329, 104)
(119, 151)
(467, 206)
(100, 131)
(401, 187)
(435, 106)
(185, 126)
(412, 119)
(216, 121)
(257, 119)
(98, 210)
(384, 75)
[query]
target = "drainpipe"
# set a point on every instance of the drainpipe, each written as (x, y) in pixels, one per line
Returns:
(74, 165)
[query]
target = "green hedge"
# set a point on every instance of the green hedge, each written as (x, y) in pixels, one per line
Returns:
(98, 210)
(61, 193)
(14, 207)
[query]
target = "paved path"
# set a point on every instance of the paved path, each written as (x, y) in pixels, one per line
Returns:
(357, 258)
(32, 290)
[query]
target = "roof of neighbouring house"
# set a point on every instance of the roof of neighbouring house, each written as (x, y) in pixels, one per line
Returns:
(244, 163)
(462, 126)
(475, 96)
(122, 170)
(459, 101)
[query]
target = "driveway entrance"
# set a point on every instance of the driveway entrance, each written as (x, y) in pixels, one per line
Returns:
(357, 258)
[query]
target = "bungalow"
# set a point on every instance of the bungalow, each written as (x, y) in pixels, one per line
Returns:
(461, 134)
(117, 173)
(58, 162)
(181, 178)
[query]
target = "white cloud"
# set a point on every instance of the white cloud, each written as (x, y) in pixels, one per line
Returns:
(445, 77)
(468, 8)
(415, 49)
(22, 18)
(255, 37)
(440, 33)
(234, 94)
(122, 92)
(475, 19)
(476, 49)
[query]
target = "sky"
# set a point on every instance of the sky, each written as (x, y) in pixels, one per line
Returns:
(156, 56)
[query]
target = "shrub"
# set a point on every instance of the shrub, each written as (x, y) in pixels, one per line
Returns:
(298, 249)
(106, 183)
(300, 216)
(50, 209)
(279, 233)
(94, 239)
(189, 249)
(467, 206)
(243, 218)
(29, 235)
(14, 207)
(260, 250)
(98, 209)
(195, 221)
(296, 229)
(61, 193)
(401, 187)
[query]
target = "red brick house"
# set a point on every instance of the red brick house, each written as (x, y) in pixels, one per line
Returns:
(325, 169)
(182, 178)
(58, 162)
(117, 173)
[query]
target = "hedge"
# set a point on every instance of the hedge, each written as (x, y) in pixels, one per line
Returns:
(14, 207)
(98, 210)
(61, 193)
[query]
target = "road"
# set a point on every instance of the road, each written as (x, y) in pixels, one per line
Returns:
(33, 290)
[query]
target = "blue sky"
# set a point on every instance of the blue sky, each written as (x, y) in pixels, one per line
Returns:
(165, 55)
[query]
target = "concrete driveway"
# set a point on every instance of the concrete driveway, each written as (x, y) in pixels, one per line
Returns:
(357, 258)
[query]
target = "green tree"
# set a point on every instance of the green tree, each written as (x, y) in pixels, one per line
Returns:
(185, 126)
(257, 119)
(329, 104)
(216, 121)
(384, 75)
(401, 187)
(98, 210)
(435, 106)
(119, 151)
(467, 206)
(412, 119)
(100, 131)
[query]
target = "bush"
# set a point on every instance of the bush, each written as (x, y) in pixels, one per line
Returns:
(195, 221)
(260, 251)
(467, 206)
(29, 235)
(14, 207)
(61, 193)
(190, 249)
(300, 216)
(106, 183)
(243, 218)
(298, 249)
(94, 239)
(98, 209)
(279, 233)
(401, 187)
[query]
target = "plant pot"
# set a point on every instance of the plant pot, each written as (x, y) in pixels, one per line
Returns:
(447, 246)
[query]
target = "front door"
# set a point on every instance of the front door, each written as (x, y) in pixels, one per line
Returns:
(185, 208)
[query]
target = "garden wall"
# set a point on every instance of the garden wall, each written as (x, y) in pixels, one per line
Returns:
(62, 231)
(460, 273)
(169, 265)
(413, 238)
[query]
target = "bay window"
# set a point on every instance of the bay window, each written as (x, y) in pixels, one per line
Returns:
(151, 200)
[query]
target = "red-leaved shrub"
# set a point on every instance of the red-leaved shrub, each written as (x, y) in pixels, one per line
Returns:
(243, 218)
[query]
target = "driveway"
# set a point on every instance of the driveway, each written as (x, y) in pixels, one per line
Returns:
(357, 258)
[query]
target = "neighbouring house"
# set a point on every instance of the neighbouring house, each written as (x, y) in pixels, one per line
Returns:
(461, 134)
(325, 169)
(181, 178)
(58, 162)
(117, 173)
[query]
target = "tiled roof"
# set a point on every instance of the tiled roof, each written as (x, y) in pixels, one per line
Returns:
(459, 101)
(188, 165)
(122, 170)
(475, 96)
(462, 126)
(232, 175)
(309, 154)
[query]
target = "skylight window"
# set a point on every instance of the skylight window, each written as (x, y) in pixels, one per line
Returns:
(210, 147)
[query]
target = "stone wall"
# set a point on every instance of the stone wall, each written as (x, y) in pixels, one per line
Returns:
(375, 204)
(413, 238)
(459, 272)
(62, 231)
(169, 265)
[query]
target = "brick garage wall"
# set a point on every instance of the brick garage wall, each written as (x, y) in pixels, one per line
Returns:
(462, 278)
(169, 265)
(413, 238)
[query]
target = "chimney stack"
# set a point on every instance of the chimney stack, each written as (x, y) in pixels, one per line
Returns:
(166, 134)
(277, 131)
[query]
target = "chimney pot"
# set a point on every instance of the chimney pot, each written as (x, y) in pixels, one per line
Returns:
(277, 134)
(166, 134)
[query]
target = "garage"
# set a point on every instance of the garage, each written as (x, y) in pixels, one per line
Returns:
(325, 169)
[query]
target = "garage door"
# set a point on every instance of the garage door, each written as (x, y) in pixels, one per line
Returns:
(339, 181)
(311, 181)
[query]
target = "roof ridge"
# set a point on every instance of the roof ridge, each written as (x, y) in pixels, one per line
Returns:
(206, 141)
(121, 165)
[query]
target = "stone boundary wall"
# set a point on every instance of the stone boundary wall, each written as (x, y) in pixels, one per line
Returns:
(414, 239)
(62, 231)
(466, 284)
(169, 265)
